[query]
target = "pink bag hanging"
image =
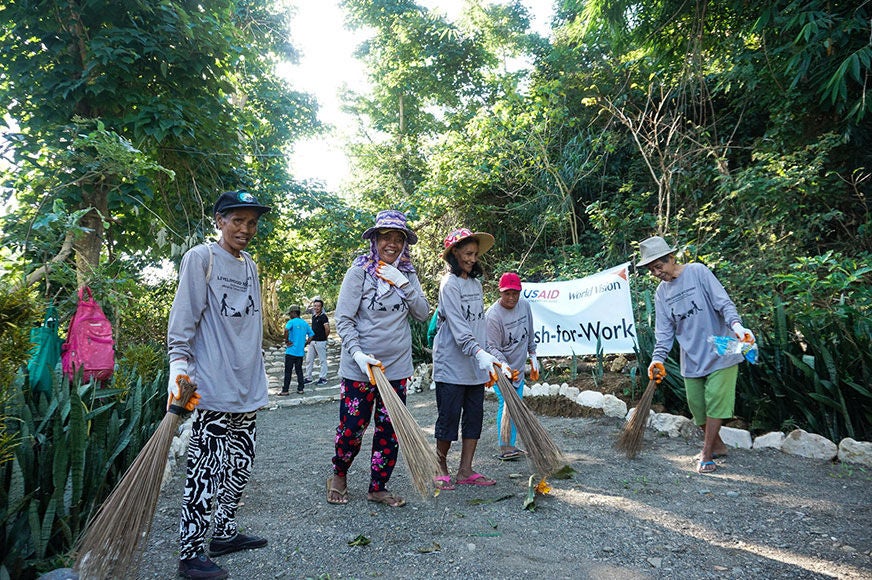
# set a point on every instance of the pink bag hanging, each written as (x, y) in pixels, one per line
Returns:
(89, 346)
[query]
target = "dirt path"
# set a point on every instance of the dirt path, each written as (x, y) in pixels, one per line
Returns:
(763, 514)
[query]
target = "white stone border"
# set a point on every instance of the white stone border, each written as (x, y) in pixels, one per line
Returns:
(797, 442)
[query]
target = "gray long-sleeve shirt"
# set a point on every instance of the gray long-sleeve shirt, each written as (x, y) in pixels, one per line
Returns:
(377, 326)
(510, 334)
(691, 308)
(216, 324)
(462, 332)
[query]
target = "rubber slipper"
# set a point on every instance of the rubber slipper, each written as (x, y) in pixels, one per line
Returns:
(476, 479)
(343, 494)
(443, 482)
(388, 499)
(706, 467)
(510, 455)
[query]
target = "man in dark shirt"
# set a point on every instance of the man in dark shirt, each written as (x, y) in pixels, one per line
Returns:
(318, 344)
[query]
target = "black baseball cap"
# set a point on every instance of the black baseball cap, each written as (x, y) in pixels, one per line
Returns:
(238, 199)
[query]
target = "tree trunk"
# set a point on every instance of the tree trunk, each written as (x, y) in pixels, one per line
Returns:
(273, 330)
(89, 245)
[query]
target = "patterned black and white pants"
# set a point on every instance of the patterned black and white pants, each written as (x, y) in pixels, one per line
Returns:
(220, 455)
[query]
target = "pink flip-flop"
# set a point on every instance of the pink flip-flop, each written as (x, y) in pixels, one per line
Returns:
(443, 482)
(476, 479)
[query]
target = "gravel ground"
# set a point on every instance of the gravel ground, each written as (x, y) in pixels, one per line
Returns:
(763, 514)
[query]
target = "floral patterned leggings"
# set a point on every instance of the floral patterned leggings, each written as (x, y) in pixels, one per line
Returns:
(357, 402)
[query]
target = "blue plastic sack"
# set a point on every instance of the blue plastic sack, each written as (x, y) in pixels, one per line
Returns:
(731, 345)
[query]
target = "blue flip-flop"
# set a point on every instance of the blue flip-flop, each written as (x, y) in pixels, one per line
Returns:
(706, 467)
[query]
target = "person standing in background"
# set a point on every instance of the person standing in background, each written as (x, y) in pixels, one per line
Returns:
(318, 344)
(297, 336)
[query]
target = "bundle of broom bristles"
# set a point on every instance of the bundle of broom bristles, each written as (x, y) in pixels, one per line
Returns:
(113, 539)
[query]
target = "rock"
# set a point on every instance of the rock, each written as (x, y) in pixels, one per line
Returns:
(772, 440)
(593, 399)
(736, 438)
(632, 412)
(60, 574)
(673, 425)
(571, 393)
(655, 562)
(536, 390)
(553, 390)
(859, 452)
(614, 407)
(618, 364)
(804, 444)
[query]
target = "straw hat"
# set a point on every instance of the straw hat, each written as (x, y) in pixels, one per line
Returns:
(485, 241)
(651, 249)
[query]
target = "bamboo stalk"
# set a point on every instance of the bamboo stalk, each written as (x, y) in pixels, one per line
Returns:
(113, 539)
(416, 448)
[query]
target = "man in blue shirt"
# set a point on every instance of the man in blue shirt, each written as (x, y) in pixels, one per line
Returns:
(297, 336)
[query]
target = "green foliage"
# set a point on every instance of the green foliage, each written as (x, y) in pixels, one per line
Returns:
(73, 448)
(180, 102)
(17, 315)
(821, 347)
(421, 353)
(143, 311)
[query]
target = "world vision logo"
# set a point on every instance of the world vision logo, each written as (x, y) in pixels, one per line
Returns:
(601, 288)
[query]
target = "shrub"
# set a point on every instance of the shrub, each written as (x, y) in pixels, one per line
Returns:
(73, 448)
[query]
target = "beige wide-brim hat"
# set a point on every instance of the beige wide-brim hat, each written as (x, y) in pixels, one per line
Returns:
(651, 249)
(484, 239)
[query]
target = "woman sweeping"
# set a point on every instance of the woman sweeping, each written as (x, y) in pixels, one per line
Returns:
(378, 294)
(461, 365)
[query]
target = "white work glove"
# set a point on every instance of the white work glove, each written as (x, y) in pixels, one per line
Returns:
(391, 275)
(743, 333)
(486, 362)
(364, 361)
(534, 368)
(177, 367)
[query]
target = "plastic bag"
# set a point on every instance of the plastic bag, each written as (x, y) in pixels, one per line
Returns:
(731, 345)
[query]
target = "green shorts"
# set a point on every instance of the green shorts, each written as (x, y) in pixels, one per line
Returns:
(713, 395)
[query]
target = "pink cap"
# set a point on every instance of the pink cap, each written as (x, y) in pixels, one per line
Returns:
(510, 281)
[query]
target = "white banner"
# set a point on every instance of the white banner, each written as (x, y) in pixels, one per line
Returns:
(570, 316)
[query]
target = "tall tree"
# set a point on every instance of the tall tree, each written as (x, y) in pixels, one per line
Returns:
(189, 86)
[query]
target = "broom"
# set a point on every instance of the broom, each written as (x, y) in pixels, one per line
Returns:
(541, 450)
(419, 453)
(630, 439)
(113, 538)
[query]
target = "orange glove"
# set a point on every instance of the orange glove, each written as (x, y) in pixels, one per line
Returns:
(656, 371)
(174, 397)
(534, 368)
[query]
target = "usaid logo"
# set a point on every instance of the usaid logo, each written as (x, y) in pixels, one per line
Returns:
(541, 295)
